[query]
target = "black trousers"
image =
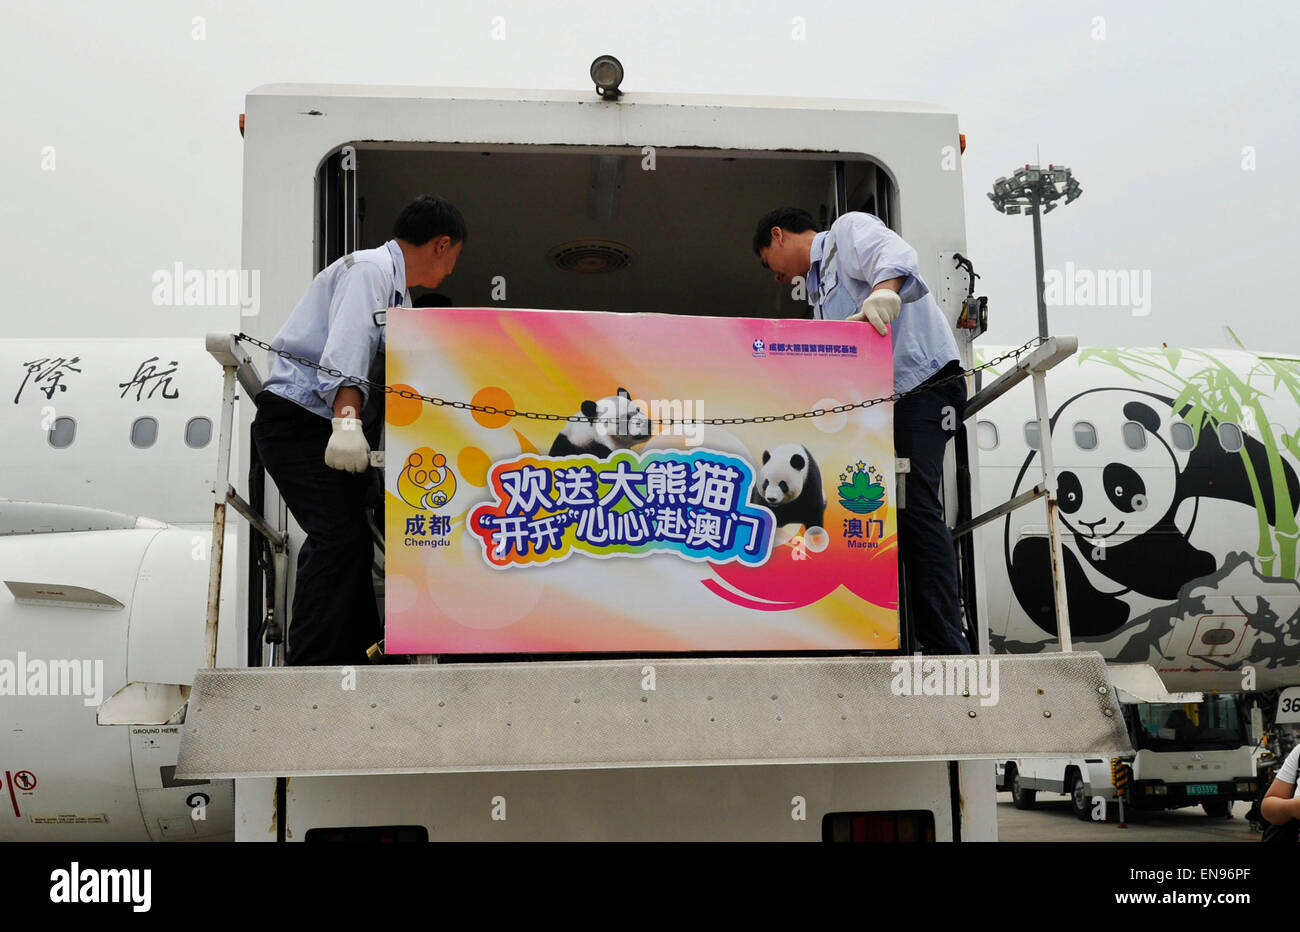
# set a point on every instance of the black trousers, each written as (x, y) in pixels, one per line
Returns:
(335, 617)
(924, 542)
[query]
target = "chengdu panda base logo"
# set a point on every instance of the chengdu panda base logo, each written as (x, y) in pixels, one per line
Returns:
(426, 481)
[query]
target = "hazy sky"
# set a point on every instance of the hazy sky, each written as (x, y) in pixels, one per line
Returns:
(1178, 118)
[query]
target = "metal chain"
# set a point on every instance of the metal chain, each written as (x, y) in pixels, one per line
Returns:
(664, 422)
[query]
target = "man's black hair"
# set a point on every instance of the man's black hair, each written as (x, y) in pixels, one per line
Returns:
(793, 219)
(429, 216)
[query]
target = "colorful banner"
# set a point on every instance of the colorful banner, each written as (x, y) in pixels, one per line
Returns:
(629, 527)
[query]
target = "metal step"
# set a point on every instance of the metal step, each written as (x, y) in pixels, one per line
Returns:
(565, 715)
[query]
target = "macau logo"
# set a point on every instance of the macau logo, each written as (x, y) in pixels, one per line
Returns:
(861, 489)
(426, 481)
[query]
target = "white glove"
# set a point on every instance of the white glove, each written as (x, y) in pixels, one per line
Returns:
(881, 307)
(347, 448)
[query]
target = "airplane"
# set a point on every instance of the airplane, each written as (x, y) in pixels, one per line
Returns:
(105, 530)
(1178, 484)
(1177, 473)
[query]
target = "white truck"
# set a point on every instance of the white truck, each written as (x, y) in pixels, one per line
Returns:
(1189, 749)
(660, 192)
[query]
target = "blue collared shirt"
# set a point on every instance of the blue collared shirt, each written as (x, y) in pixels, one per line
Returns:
(866, 253)
(334, 325)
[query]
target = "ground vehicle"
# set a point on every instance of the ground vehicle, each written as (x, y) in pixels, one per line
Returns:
(311, 760)
(1189, 750)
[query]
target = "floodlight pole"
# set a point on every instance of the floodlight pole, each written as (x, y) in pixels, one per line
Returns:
(1056, 558)
(1038, 267)
(1010, 199)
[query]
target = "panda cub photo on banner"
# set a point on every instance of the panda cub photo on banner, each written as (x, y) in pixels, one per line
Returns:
(603, 426)
(790, 483)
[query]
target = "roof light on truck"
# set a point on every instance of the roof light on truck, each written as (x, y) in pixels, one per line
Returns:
(607, 72)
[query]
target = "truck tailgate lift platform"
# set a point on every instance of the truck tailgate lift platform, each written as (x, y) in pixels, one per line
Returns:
(549, 715)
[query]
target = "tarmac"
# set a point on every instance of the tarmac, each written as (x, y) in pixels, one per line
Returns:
(1053, 819)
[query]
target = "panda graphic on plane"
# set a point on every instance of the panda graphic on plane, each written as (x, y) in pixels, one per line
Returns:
(1178, 489)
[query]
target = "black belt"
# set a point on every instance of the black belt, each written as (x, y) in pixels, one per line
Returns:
(949, 370)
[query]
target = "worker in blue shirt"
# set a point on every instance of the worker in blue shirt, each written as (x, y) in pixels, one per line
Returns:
(859, 269)
(309, 434)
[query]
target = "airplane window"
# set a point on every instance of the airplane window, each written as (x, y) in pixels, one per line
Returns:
(1031, 434)
(144, 431)
(1135, 435)
(63, 432)
(988, 434)
(198, 431)
(1085, 435)
(1230, 437)
(1184, 436)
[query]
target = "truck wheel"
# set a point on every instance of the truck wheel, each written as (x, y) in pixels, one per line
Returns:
(1079, 800)
(1217, 808)
(1021, 798)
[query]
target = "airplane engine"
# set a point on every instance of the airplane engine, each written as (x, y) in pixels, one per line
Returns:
(83, 613)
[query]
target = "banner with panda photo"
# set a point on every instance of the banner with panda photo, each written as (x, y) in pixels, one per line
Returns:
(630, 527)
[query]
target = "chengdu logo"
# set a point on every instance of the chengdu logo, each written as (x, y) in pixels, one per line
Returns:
(760, 348)
(861, 489)
(426, 481)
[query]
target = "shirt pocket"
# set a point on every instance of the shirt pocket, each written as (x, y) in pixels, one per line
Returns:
(837, 301)
(829, 281)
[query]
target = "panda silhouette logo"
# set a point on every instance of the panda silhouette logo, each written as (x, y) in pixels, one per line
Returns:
(759, 347)
(1128, 525)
